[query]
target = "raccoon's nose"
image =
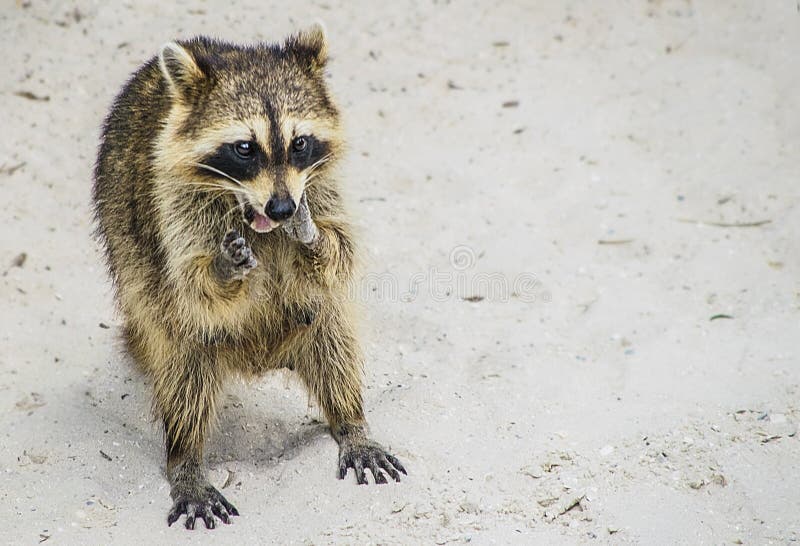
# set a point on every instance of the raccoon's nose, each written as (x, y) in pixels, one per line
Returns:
(280, 208)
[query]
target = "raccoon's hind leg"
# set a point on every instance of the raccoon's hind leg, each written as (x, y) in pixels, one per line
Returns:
(186, 390)
(326, 355)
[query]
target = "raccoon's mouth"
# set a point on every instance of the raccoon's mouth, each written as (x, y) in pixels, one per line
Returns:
(258, 222)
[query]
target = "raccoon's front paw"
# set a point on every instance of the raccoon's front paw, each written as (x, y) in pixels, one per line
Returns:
(204, 505)
(361, 455)
(301, 226)
(235, 259)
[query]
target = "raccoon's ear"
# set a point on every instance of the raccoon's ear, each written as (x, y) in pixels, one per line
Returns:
(311, 45)
(179, 67)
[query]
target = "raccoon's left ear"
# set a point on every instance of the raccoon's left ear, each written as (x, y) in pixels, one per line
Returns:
(180, 68)
(311, 45)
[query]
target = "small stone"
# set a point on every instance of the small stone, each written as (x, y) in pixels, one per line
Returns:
(547, 501)
(719, 479)
(549, 466)
(35, 459)
(534, 471)
(19, 259)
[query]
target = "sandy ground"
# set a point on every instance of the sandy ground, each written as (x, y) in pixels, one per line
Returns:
(548, 194)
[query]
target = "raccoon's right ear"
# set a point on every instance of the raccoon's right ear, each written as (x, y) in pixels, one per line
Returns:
(311, 45)
(180, 68)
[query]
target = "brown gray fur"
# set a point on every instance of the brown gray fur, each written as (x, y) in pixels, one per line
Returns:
(212, 286)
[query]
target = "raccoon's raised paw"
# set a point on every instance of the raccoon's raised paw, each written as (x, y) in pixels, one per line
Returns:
(236, 257)
(205, 506)
(362, 455)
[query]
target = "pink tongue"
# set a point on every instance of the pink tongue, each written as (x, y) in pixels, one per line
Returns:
(262, 224)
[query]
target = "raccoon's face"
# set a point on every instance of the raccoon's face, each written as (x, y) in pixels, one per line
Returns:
(255, 121)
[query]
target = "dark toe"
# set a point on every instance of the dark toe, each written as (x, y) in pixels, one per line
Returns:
(388, 468)
(208, 518)
(228, 506)
(376, 473)
(231, 236)
(379, 477)
(221, 512)
(344, 464)
(177, 509)
(392, 459)
(238, 243)
(242, 255)
(361, 478)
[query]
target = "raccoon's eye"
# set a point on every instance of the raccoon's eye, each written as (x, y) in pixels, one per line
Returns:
(244, 149)
(300, 144)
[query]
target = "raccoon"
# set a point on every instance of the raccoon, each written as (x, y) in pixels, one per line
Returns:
(218, 205)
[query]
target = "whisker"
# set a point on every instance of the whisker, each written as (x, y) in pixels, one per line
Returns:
(219, 190)
(211, 202)
(241, 192)
(309, 179)
(319, 162)
(213, 187)
(214, 192)
(219, 172)
(311, 170)
(207, 186)
(232, 209)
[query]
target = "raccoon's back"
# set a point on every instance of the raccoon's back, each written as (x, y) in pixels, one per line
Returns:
(123, 201)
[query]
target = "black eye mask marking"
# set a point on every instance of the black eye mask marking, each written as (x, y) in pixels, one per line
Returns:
(244, 168)
(313, 151)
(227, 160)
